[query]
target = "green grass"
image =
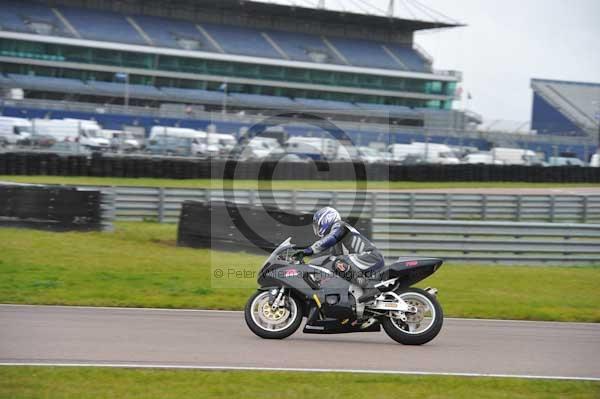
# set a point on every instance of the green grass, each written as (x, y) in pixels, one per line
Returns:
(278, 185)
(82, 383)
(140, 265)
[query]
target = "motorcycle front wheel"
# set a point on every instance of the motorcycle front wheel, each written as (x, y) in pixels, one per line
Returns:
(420, 327)
(270, 323)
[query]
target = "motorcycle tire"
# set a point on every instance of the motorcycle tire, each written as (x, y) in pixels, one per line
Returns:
(420, 338)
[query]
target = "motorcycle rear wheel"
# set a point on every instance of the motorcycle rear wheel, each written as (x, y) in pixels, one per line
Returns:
(405, 332)
(269, 324)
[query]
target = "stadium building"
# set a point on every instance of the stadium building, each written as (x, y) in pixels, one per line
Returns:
(565, 108)
(187, 51)
(194, 63)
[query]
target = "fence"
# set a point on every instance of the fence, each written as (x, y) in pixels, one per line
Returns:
(503, 242)
(164, 204)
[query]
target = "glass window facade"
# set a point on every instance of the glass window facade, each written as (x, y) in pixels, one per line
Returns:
(153, 62)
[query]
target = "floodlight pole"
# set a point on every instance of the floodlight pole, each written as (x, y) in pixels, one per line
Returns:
(321, 5)
(597, 103)
(126, 91)
(391, 7)
(224, 105)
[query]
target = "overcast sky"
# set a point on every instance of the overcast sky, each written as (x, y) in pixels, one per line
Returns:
(506, 43)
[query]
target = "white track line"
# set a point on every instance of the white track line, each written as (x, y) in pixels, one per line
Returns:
(290, 369)
(118, 308)
(75, 307)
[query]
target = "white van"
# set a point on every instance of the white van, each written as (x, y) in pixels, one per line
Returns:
(220, 143)
(121, 139)
(515, 156)
(198, 137)
(314, 147)
(88, 133)
(428, 152)
(260, 148)
(595, 161)
(14, 130)
(478, 158)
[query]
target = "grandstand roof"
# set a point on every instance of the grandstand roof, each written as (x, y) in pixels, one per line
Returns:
(428, 18)
(578, 101)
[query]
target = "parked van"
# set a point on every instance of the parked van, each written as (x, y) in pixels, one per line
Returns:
(88, 133)
(565, 161)
(515, 156)
(428, 152)
(313, 147)
(14, 130)
(219, 143)
(260, 148)
(171, 146)
(198, 138)
(121, 139)
(478, 158)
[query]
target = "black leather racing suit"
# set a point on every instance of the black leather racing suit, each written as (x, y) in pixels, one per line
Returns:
(351, 248)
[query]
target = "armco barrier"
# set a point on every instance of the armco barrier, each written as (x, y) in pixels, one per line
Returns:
(226, 225)
(499, 242)
(212, 225)
(54, 208)
(164, 204)
(22, 163)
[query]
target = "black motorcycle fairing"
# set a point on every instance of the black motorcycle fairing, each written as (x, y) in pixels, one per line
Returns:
(319, 288)
(411, 270)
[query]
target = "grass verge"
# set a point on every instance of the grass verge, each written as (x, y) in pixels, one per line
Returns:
(81, 383)
(139, 265)
(278, 185)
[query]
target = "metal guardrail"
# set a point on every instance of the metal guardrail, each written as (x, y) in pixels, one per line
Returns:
(164, 204)
(498, 242)
(497, 228)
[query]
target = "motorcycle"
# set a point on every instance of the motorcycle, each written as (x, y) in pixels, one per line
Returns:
(291, 290)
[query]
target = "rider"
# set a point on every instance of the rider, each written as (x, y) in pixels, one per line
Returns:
(357, 257)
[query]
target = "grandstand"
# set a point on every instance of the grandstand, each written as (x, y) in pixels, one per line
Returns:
(249, 45)
(565, 108)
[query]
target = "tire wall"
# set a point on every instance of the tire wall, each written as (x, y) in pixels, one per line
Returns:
(182, 168)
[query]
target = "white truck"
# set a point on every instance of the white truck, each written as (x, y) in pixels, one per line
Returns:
(14, 130)
(314, 147)
(86, 133)
(427, 152)
(198, 137)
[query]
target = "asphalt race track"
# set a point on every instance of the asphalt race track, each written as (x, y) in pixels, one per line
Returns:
(213, 339)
